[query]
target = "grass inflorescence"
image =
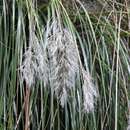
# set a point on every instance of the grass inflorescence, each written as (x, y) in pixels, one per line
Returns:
(64, 67)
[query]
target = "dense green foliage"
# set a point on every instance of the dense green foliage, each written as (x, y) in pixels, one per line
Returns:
(103, 41)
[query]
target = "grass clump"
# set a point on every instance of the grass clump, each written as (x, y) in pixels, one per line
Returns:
(55, 62)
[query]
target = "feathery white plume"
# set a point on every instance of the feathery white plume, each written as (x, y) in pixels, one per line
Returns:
(28, 68)
(63, 61)
(29, 65)
(34, 64)
(89, 92)
(57, 62)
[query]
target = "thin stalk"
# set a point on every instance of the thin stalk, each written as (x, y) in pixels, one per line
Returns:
(27, 100)
(117, 74)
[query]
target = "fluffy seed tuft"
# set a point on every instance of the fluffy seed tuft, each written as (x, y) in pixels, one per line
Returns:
(63, 61)
(89, 92)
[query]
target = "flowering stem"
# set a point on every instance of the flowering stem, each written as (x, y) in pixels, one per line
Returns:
(27, 96)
